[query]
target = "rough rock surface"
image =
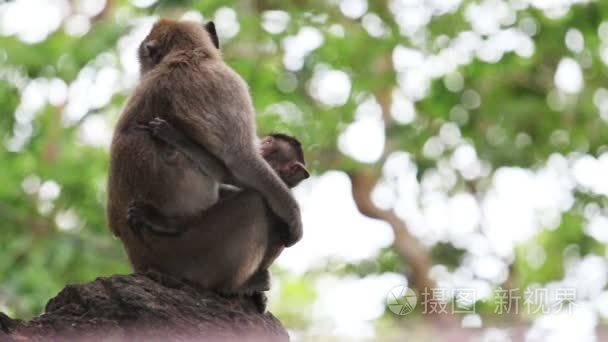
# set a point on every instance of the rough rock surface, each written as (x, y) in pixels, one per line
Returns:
(144, 307)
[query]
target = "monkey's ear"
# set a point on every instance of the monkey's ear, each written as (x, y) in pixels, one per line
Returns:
(296, 172)
(210, 27)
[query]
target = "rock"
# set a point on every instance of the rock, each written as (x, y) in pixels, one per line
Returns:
(144, 307)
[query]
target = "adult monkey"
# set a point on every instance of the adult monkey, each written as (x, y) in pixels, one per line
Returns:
(185, 81)
(255, 231)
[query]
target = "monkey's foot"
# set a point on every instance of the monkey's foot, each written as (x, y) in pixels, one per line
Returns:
(260, 301)
(258, 298)
(143, 217)
(259, 281)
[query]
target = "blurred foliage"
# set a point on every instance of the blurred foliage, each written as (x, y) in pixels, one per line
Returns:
(38, 258)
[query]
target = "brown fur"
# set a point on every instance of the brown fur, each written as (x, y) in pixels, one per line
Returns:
(186, 83)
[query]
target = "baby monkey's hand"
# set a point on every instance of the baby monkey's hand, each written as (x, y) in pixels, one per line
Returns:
(164, 131)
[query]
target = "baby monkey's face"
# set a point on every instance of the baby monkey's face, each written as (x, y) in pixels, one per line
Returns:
(276, 151)
(283, 158)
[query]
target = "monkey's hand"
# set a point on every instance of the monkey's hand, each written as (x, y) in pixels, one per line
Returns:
(164, 131)
(292, 229)
(145, 217)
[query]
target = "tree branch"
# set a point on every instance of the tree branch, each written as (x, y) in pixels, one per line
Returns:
(406, 245)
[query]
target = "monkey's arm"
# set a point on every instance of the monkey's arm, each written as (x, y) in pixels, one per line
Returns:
(251, 170)
(206, 162)
(232, 141)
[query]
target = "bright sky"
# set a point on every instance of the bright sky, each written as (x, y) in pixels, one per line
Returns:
(517, 204)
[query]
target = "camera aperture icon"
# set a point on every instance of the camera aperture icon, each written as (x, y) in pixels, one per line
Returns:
(401, 300)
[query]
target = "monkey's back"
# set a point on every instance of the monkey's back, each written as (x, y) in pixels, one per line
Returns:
(144, 170)
(220, 97)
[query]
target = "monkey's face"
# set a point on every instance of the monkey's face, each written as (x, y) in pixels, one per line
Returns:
(294, 173)
(283, 158)
(168, 36)
(275, 151)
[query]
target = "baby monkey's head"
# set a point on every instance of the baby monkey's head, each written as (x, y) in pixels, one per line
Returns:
(285, 155)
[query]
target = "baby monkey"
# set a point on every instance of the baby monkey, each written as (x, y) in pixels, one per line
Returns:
(264, 241)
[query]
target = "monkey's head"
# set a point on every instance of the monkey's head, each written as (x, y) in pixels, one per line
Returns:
(169, 35)
(285, 155)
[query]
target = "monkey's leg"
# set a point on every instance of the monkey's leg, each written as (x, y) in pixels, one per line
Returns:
(221, 248)
(261, 279)
(146, 217)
